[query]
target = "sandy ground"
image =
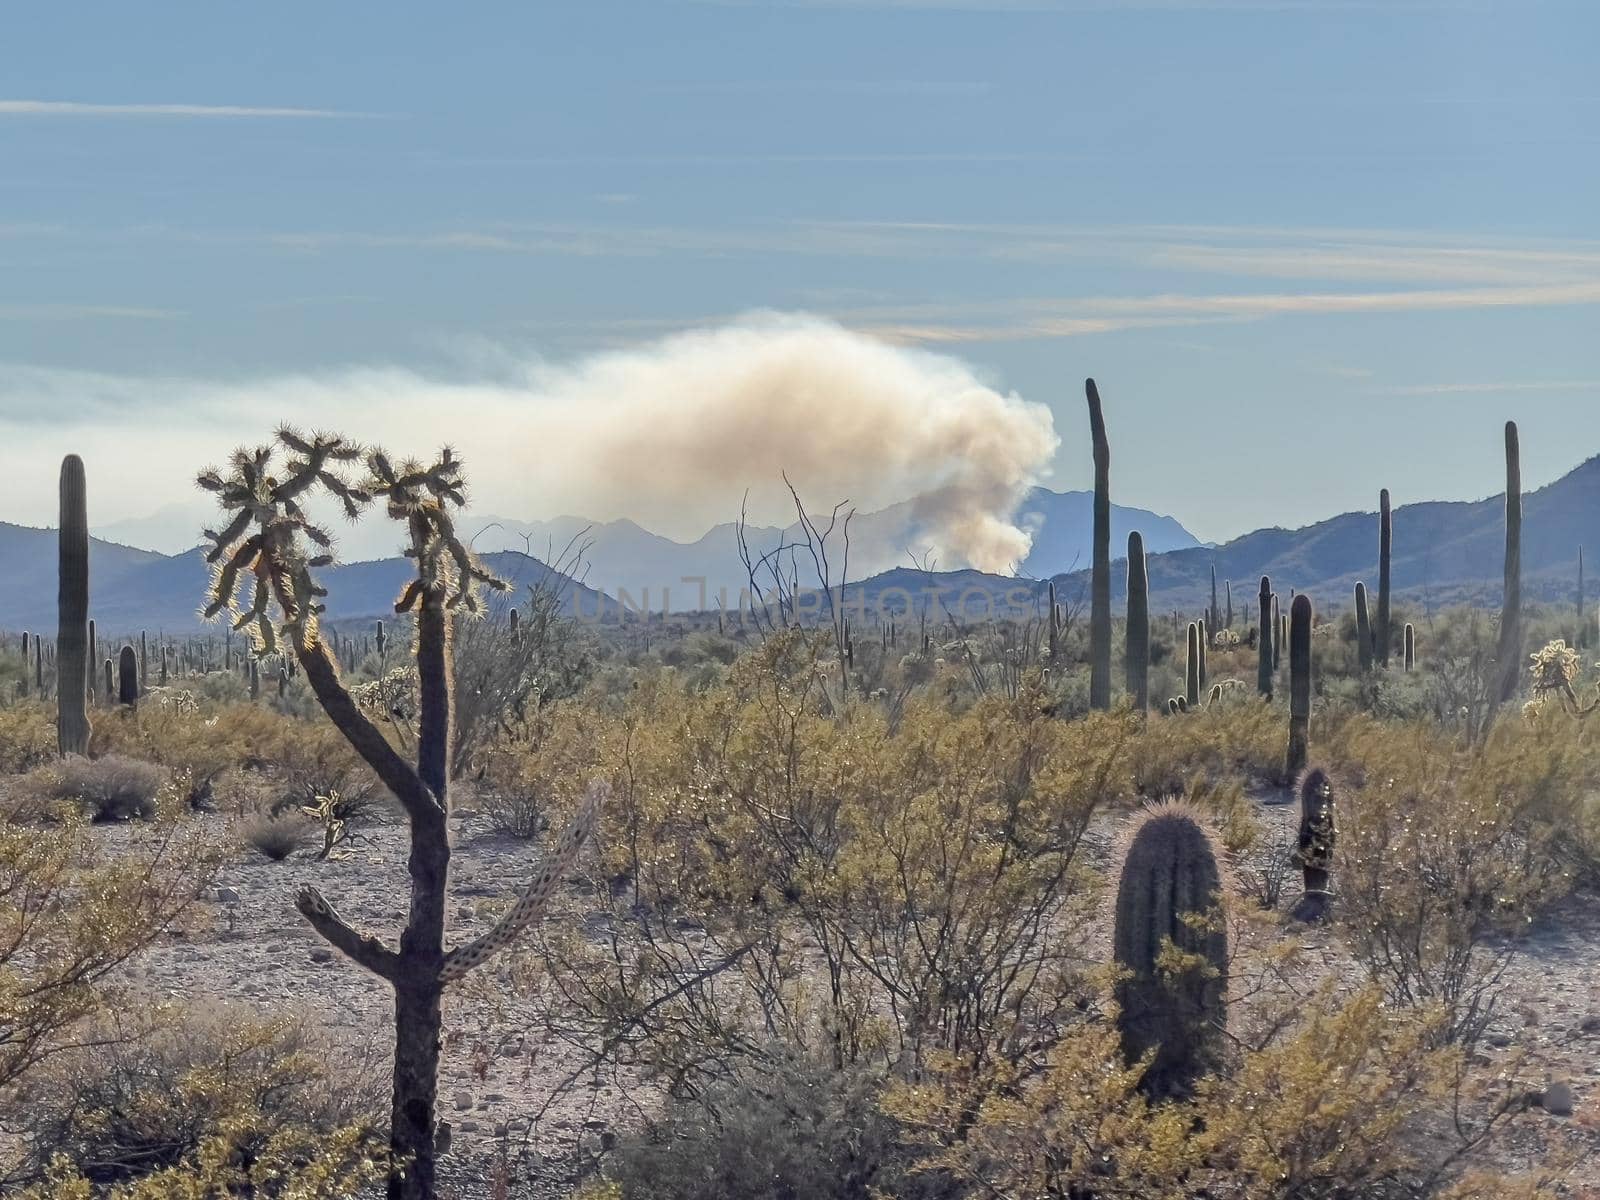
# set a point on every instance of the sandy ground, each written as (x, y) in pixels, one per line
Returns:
(251, 946)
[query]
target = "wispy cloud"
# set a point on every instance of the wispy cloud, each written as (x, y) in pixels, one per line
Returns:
(846, 87)
(1479, 387)
(83, 312)
(74, 108)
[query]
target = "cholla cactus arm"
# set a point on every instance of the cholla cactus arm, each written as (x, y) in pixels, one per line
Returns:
(266, 538)
(362, 948)
(530, 906)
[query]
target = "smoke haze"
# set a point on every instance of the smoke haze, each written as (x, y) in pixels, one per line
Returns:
(669, 434)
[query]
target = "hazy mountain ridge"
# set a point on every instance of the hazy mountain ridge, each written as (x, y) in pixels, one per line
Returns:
(1444, 552)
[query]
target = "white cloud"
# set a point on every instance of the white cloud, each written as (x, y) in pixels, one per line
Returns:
(74, 108)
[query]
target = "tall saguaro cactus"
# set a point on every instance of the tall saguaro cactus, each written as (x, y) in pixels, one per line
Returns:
(1137, 651)
(1509, 652)
(1100, 582)
(1363, 629)
(128, 676)
(1411, 646)
(1380, 631)
(1264, 640)
(1299, 685)
(1191, 687)
(72, 609)
(268, 538)
(1169, 892)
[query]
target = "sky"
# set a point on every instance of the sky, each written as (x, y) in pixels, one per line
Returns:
(1308, 248)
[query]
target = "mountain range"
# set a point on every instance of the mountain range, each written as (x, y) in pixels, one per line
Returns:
(1444, 552)
(622, 557)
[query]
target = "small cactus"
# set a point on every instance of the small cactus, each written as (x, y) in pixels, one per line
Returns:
(1313, 852)
(1363, 630)
(1172, 1007)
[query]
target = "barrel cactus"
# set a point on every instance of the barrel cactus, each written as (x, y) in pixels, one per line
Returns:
(1172, 948)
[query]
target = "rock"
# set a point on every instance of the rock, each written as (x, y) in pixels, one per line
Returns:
(1556, 1099)
(1590, 1024)
(321, 954)
(227, 895)
(469, 1126)
(463, 1102)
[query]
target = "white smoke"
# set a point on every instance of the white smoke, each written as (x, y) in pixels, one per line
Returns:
(670, 434)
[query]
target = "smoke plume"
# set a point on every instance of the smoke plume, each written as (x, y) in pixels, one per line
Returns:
(670, 434)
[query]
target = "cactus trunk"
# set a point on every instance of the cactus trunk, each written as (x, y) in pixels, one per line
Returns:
(72, 605)
(1137, 652)
(1509, 653)
(1191, 689)
(1411, 647)
(1264, 640)
(1100, 583)
(1314, 846)
(128, 677)
(1299, 685)
(1363, 630)
(1380, 629)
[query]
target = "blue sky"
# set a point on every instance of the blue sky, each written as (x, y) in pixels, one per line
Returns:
(1308, 248)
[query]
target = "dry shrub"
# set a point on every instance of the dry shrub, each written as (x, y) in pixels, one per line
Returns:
(1341, 1107)
(1237, 736)
(526, 781)
(152, 1094)
(275, 838)
(1446, 852)
(780, 1128)
(112, 788)
(147, 1089)
(27, 736)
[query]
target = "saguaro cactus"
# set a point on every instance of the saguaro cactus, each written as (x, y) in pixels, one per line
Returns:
(94, 657)
(1191, 685)
(1227, 613)
(266, 536)
(72, 609)
(1380, 630)
(1313, 851)
(1264, 640)
(1205, 642)
(1052, 624)
(1299, 685)
(1100, 582)
(382, 640)
(1582, 638)
(1411, 647)
(1363, 629)
(111, 685)
(128, 676)
(1137, 650)
(1211, 613)
(1509, 652)
(1170, 890)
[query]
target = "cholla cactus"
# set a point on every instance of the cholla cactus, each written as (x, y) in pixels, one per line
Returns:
(270, 540)
(1554, 668)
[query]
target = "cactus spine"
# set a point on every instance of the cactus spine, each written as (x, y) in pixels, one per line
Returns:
(1169, 890)
(128, 676)
(1363, 630)
(1265, 650)
(1137, 654)
(1299, 685)
(1191, 687)
(72, 606)
(1411, 647)
(1509, 651)
(1100, 583)
(1380, 630)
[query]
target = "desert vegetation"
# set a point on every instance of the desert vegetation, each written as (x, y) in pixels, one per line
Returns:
(1288, 903)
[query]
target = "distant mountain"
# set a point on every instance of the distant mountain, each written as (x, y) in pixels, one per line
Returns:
(1445, 552)
(622, 556)
(131, 590)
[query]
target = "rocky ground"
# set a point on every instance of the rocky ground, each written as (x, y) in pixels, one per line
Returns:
(250, 946)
